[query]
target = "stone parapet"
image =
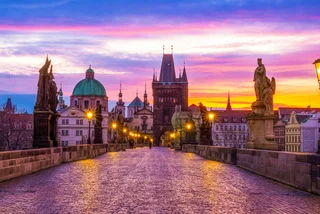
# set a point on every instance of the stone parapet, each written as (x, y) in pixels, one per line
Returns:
(300, 170)
(17, 163)
(221, 154)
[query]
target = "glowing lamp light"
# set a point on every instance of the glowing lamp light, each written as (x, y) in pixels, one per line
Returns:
(211, 116)
(145, 137)
(124, 130)
(189, 126)
(138, 135)
(172, 135)
(151, 140)
(114, 125)
(89, 115)
(317, 64)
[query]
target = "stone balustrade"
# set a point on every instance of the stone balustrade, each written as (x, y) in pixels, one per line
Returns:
(22, 162)
(300, 170)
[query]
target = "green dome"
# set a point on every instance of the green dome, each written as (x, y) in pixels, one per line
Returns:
(89, 87)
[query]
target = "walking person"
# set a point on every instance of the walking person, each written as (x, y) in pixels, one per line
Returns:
(150, 144)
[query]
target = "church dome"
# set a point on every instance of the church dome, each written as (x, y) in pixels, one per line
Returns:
(89, 86)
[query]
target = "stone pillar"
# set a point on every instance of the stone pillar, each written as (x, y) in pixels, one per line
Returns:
(42, 129)
(261, 134)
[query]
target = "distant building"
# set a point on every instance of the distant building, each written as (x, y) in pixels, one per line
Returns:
(120, 105)
(230, 128)
(279, 134)
(168, 91)
(16, 130)
(61, 104)
(302, 132)
(137, 105)
(73, 126)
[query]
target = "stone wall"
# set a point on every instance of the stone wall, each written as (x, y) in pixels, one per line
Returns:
(216, 153)
(17, 163)
(22, 162)
(84, 151)
(300, 170)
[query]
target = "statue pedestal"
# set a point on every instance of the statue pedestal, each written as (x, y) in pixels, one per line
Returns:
(261, 128)
(42, 128)
(98, 135)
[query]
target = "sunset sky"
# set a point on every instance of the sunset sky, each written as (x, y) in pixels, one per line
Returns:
(220, 40)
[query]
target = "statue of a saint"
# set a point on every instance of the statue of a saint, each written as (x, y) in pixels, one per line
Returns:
(53, 92)
(41, 101)
(259, 77)
(267, 95)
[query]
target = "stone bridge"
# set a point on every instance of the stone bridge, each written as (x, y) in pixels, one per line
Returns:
(157, 180)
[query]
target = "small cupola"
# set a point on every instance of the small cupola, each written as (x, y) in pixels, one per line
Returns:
(90, 73)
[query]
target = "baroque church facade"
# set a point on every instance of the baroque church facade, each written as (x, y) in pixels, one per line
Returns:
(168, 91)
(73, 125)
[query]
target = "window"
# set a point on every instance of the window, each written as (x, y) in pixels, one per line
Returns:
(67, 121)
(217, 127)
(79, 132)
(78, 142)
(64, 143)
(63, 121)
(81, 122)
(86, 104)
(65, 132)
(76, 102)
(77, 122)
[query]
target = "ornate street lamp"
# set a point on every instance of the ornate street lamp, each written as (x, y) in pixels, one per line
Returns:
(317, 64)
(89, 115)
(211, 117)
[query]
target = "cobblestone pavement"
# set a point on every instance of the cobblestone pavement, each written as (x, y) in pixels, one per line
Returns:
(159, 180)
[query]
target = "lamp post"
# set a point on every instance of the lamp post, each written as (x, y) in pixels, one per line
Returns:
(89, 115)
(114, 128)
(189, 128)
(317, 65)
(211, 119)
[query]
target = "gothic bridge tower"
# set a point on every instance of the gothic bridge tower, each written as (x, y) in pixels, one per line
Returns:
(168, 91)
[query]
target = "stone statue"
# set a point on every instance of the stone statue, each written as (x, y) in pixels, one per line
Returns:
(42, 96)
(269, 88)
(260, 120)
(259, 76)
(98, 125)
(120, 118)
(204, 113)
(98, 116)
(52, 92)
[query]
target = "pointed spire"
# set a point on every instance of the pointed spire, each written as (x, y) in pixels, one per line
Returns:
(229, 104)
(89, 66)
(163, 49)
(145, 96)
(179, 73)
(184, 74)
(137, 93)
(145, 87)
(171, 49)
(154, 75)
(120, 86)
